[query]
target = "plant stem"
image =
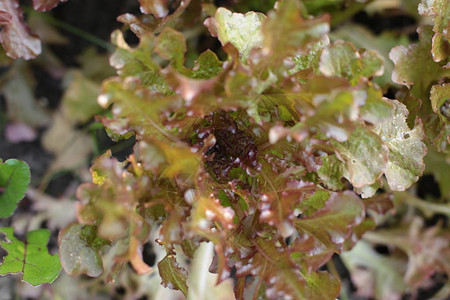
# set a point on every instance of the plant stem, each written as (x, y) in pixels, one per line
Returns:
(427, 207)
(72, 29)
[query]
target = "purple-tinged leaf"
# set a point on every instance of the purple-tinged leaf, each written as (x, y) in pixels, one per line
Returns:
(15, 35)
(379, 204)
(332, 224)
(283, 277)
(44, 5)
(156, 7)
(309, 253)
(277, 209)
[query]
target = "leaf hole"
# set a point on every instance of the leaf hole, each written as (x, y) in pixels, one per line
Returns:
(445, 108)
(120, 290)
(406, 136)
(382, 249)
(148, 255)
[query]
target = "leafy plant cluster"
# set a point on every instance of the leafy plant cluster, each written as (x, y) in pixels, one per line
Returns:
(282, 154)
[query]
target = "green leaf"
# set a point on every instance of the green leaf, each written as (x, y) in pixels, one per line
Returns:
(382, 43)
(376, 108)
(173, 276)
(14, 180)
(331, 172)
(321, 285)
(415, 65)
(171, 45)
(413, 104)
(369, 190)
(335, 116)
(406, 149)
(310, 59)
(287, 31)
(440, 96)
(313, 203)
(207, 66)
(138, 107)
(439, 10)
(78, 249)
(30, 257)
(440, 103)
(180, 159)
(343, 60)
(243, 31)
(137, 62)
(365, 155)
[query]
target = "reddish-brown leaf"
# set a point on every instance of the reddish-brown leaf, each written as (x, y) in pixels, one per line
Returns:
(156, 7)
(277, 209)
(284, 278)
(44, 5)
(16, 36)
(332, 225)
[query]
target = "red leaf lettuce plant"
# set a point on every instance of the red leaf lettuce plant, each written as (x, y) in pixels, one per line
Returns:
(275, 154)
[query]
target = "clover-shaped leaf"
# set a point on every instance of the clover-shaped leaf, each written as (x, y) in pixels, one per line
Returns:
(14, 180)
(30, 257)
